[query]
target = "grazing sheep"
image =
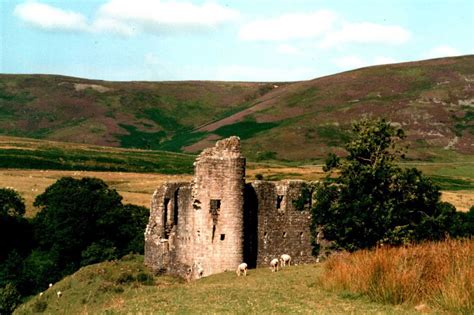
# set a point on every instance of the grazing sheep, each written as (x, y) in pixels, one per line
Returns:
(274, 265)
(59, 294)
(285, 259)
(50, 285)
(241, 269)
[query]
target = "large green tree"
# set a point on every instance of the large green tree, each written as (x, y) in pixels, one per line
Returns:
(80, 221)
(370, 199)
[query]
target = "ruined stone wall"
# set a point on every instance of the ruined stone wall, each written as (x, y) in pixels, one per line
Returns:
(169, 216)
(196, 229)
(215, 222)
(281, 228)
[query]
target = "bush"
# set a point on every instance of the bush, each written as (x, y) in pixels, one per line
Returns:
(145, 278)
(372, 200)
(9, 299)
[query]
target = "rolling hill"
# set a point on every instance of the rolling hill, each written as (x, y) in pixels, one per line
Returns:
(432, 100)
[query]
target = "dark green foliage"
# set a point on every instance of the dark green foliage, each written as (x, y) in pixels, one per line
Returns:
(141, 139)
(145, 278)
(15, 232)
(464, 123)
(81, 221)
(78, 159)
(125, 278)
(266, 155)
(373, 200)
(181, 139)
(11, 203)
(303, 202)
(9, 299)
(464, 224)
(244, 129)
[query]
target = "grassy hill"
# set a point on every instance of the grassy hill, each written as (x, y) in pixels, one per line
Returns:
(432, 100)
(126, 287)
(27, 153)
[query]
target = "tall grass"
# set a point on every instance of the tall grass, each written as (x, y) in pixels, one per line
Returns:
(439, 274)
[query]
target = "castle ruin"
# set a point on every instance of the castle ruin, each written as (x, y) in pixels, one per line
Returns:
(217, 221)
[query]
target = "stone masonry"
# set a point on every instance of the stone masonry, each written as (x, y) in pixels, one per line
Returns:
(217, 221)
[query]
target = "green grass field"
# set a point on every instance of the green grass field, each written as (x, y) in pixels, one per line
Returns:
(38, 154)
(126, 287)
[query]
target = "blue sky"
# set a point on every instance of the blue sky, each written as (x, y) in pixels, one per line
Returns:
(246, 40)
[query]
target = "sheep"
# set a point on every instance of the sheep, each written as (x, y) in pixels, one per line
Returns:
(50, 285)
(285, 259)
(241, 269)
(274, 265)
(59, 294)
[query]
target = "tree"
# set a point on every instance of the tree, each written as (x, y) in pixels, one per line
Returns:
(14, 228)
(372, 199)
(83, 221)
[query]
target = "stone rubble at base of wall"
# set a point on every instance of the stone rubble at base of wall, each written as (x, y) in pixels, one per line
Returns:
(217, 221)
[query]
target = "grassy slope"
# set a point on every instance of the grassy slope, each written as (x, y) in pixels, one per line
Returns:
(39, 154)
(110, 288)
(431, 99)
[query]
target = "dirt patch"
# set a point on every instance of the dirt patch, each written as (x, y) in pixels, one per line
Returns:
(96, 87)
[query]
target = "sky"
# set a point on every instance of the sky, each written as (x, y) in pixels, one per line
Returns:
(245, 40)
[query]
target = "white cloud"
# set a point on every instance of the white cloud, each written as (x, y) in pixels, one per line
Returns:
(353, 62)
(442, 51)
(289, 26)
(364, 33)
(286, 49)
(50, 18)
(127, 18)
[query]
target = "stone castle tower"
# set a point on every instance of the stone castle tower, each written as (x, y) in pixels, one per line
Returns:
(217, 221)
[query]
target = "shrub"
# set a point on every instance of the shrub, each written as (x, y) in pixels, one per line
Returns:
(9, 299)
(125, 278)
(145, 278)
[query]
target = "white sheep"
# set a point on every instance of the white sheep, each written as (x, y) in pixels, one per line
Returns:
(59, 294)
(274, 265)
(241, 269)
(285, 259)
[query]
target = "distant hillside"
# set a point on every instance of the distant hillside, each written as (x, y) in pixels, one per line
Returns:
(432, 100)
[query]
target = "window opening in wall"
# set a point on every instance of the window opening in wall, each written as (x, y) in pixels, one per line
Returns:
(165, 218)
(222, 237)
(301, 237)
(284, 234)
(214, 208)
(278, 201)
(175, 208)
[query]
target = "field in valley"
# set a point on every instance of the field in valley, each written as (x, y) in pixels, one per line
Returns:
(137, 188)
